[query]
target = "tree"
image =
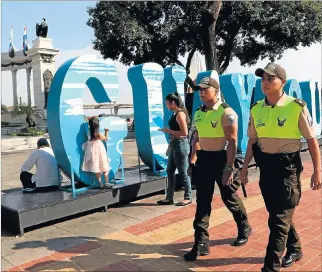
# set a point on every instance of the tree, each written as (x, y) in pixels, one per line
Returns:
(138, 32)
(4, 109)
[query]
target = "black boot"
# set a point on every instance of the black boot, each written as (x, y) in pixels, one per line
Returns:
(243, 233)
(264, 269)
(290, 258)
(196, 251)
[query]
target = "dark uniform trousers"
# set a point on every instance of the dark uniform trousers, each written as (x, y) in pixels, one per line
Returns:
(208, 170)
(281, 189)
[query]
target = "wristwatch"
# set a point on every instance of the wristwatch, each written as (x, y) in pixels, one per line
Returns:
(229, 168)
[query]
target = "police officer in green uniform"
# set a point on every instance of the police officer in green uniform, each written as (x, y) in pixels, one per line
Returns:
(216, 125)
(275, 129)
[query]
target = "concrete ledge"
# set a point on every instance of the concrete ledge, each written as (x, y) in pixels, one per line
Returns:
(16, 143)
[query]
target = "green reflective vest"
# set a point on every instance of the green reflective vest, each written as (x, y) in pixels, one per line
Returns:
(208, 123)
(279, 121)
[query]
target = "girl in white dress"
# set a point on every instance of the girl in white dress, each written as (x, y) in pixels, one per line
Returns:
(95, 158)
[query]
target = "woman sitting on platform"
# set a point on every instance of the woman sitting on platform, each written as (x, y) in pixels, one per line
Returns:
(95, 158)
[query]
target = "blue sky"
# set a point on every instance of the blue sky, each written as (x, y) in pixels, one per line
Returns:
(66, 21)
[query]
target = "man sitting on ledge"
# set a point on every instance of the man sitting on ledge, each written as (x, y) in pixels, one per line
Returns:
(47, 177)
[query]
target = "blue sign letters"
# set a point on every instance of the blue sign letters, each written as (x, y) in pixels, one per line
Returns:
(150, 85)
(66, 126)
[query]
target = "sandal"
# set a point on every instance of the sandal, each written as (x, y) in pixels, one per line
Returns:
(165, 202)
(181, 203)
(108, 186)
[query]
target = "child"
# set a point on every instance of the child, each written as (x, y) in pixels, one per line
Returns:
(95, 158)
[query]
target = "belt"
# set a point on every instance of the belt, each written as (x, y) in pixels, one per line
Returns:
(274, 156)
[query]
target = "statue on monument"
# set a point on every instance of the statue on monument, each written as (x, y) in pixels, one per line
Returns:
(42, 29)
(47, 78)
(30, 121)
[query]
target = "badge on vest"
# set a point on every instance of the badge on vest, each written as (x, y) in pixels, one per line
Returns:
(214, 124)
(260, 123)
(197, 118)
(281, 121)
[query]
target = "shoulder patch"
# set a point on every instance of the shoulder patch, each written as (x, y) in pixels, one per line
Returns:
(299, 101)
(254, 104)
(201, 108)
(225, 105)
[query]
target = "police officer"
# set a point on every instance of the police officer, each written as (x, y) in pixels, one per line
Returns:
(216, 124)
(275, 128)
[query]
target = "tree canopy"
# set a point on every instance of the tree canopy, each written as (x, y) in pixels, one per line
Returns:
(141, 31)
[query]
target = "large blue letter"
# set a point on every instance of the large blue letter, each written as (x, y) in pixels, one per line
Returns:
(292, 88)
(146, 80)
(233, 88)
(65, 120)
(258, 95)
(312, 97)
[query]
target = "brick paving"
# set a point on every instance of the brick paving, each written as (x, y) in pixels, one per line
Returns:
(158, 243)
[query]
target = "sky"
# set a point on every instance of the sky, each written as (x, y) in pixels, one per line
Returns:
(67, 27)
(66, 21)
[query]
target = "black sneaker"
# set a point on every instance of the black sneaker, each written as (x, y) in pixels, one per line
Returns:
(290, 258)
(196, 251)
(243, 234)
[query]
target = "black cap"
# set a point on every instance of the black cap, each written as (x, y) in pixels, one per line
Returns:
(207, 82)
(272, 69)
(42, 142)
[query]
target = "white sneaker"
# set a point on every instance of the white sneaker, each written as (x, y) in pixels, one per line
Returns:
(28, 190)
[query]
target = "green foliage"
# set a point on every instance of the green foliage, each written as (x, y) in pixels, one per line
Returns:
(30, 131)
(137, 32)
(22, 108)
(4, 109)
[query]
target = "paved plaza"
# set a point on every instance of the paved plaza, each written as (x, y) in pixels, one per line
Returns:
(141, 236)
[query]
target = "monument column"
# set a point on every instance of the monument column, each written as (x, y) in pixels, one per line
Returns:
(28, 73)
(14, 87)
(42, 56)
